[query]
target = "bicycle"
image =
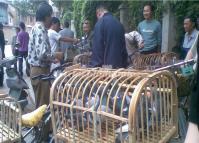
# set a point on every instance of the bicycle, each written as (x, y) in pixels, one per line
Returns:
(34, 131)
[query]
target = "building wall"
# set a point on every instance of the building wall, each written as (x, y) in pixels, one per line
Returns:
(3, 13)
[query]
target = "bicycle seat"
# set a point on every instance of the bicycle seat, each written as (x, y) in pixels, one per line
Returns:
(33, 118)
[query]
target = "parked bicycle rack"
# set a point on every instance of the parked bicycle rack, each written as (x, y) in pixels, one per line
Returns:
(102, 105)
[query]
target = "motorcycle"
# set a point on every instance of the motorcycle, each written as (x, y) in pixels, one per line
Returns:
(16, 84)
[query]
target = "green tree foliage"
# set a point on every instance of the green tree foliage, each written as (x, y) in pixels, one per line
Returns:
(182, 9)
(65, 8)
(27, 7)
(136, 11)
(86, 10)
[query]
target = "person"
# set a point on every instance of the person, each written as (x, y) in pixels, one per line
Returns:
(1, 71)
(109, 42)
(23, 39)
(40, 56)
(88, 35)
(2, 47)
(2, 40)
(151, 31)
(190, 35)
(133, 41)
(192, 53)
(193, 128)
(65, 46)
(55, 38)
(14, 42)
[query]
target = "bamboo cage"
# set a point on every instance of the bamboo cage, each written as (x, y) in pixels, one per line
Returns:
(10, 120)
(153, 61)
(113, 106)
(82, 59)
(158, 60)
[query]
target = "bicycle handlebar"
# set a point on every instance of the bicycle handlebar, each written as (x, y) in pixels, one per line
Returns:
(8, 61)
(50, 75)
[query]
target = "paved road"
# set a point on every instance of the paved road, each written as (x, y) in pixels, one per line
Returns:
(5, 89)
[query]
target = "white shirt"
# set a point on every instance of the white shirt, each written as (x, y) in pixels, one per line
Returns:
(54, 40)
(194, 50)
(133, 39)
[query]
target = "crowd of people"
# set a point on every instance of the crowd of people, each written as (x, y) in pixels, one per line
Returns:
(47, 45)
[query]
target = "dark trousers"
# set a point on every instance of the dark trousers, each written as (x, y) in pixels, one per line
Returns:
(1, 76)
(22, 55)
(194, 105)
(2, 50)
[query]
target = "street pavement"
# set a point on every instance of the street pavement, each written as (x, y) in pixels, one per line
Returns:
(5, 89)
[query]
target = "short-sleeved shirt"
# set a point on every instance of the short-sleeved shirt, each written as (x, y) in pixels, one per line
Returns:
(39, 50)
(133, 39)
(151, 32)
(23, 39)
(194, 47)
(54, 38)
(189, 40)
(66, 32)
(194, 50)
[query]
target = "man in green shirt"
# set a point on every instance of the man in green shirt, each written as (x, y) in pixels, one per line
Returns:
(151, 31)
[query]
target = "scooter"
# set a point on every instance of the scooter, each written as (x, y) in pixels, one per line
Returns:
(16, 84)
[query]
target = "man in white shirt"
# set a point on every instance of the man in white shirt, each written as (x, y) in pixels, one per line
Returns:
(190, 35)
(55, 38)
(192, 53)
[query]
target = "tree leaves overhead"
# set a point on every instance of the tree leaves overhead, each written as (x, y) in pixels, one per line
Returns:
(27, 7)
(85, 9)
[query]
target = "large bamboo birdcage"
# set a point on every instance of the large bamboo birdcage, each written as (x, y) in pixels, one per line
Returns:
(10, 120)
(113, 106)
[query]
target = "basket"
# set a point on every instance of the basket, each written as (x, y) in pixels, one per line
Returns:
(10, 120)
(113, 106)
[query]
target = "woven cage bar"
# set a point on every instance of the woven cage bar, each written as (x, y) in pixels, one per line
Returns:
(98, 105)
(10, 121)
(152, 61)
(82, 59)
